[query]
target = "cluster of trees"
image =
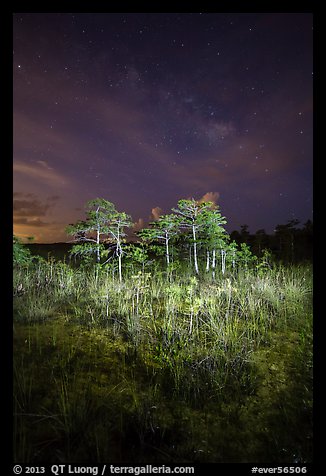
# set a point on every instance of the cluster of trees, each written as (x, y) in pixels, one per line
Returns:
(288, 243)
(194, 230)
(200, 222)
(103, 224)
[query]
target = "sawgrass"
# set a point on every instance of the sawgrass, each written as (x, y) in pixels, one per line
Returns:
(183, 369)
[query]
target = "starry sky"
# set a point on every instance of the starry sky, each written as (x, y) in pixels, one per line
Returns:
(144, 109)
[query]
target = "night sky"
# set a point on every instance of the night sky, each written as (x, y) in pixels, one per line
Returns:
(144, 109)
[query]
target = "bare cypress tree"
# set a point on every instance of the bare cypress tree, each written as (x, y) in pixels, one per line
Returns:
(93, 229)
(103, 224)
(193, 217)
(165, 228)
(213, 235)
(118, 221)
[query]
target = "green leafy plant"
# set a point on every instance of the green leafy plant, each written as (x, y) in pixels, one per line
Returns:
(21, 254)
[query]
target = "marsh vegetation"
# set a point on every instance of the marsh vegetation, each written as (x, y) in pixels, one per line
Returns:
(157, 358)
(162, 368)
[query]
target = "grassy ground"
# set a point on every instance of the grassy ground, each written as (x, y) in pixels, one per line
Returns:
(162, 370)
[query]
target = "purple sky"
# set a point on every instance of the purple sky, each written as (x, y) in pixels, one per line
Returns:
(144, 109)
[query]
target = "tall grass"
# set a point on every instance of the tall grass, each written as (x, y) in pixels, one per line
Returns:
(195, 341)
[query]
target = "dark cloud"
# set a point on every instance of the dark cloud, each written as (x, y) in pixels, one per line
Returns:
(28, 210)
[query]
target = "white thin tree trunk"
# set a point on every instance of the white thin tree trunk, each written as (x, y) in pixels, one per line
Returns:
(223, 256)
(119, 254)
(120, 268)
(98, 258)
(195, 248)
(167, 249)
(98, 244)
(233, 260)
(207, 261)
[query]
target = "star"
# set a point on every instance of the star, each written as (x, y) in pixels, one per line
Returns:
(94, 88)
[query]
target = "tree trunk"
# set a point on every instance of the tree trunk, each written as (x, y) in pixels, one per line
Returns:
(214, 262)
(233, 260)
(207, 261)
(98, 258)
(167, 250)
(223, 256)
(119, 249)
(195, 248)
(120, 267)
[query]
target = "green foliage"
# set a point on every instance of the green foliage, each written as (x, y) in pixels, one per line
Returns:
(196, 225)
(213, 234)
(232, 254)
(264, 264)
(166, 360)
(138, 254)
(86, 251)
(174, 268)
(100, 207)
(21, 254)
(157, 250)
(141, 280)
(244, 256)
(104, 223)
(162, 362)
(98, 213)
(162, 230)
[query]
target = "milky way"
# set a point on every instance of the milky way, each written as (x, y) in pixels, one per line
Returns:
(144, 109)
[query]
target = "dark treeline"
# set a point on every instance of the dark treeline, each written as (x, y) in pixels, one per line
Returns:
(289, 243)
